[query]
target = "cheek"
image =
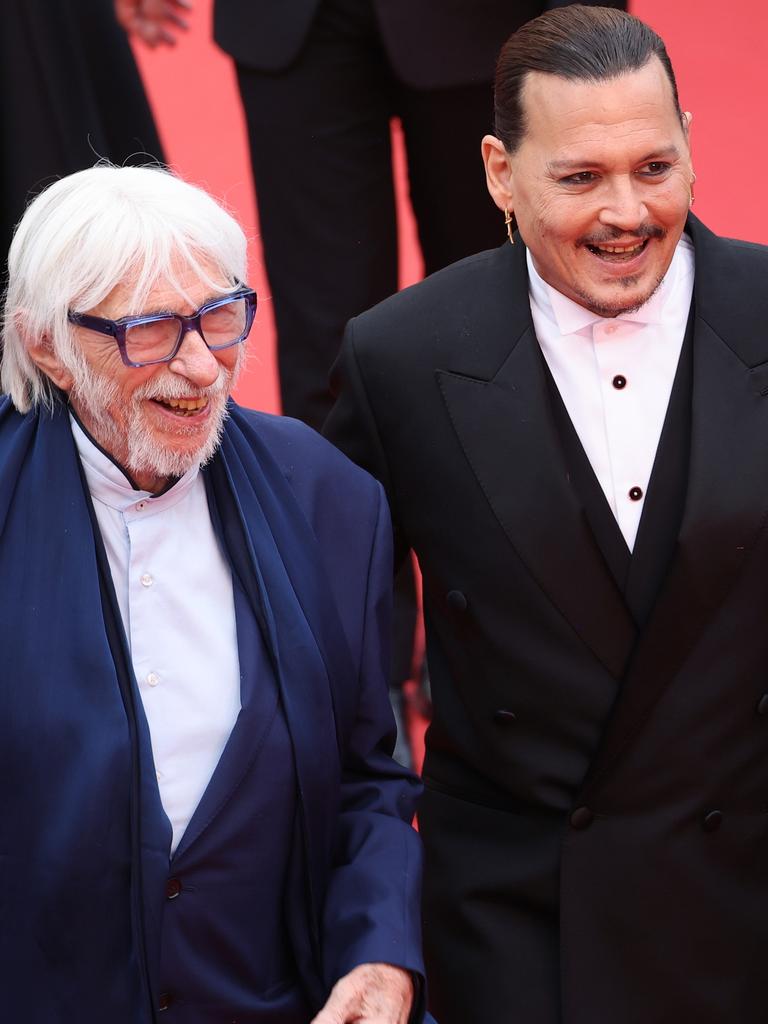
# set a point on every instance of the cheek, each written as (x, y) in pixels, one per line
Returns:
(230, 358)
(560, 220)
(105, 359)
(670, 205)
(129, 382)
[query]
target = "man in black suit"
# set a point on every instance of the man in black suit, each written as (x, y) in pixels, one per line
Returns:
(572, 431)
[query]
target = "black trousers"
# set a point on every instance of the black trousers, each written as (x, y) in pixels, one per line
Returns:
(320, 144)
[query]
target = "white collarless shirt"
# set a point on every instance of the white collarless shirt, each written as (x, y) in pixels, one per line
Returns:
(174, 589)
(615, 377)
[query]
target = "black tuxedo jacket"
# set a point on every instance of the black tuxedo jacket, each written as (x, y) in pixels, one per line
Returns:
(430, 43)
(596, 820)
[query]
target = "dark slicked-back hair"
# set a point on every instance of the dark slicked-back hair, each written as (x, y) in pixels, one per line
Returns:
(579, 43)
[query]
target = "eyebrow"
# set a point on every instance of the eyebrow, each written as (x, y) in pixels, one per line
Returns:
(670, 152)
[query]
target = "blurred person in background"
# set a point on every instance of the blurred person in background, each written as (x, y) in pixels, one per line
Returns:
(200, 814)
(70, 92)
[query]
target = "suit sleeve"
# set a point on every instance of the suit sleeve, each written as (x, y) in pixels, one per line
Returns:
(373, 904)
(351, 426)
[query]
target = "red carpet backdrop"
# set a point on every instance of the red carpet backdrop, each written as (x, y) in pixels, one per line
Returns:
(718, 53)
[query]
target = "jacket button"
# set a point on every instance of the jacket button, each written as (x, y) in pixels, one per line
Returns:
(164, 1000)
(762, 705)
(503, 715)
(172, 888)
(712, 821)
(582, 817)
(456, 600)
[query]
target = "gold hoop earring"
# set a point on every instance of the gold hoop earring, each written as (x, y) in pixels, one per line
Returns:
(511, 223)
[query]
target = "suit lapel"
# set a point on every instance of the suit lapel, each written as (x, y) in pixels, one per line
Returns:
(725, 511)
(504, 422)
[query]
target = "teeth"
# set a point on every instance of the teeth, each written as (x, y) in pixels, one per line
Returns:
(621, 248)
(188, 404)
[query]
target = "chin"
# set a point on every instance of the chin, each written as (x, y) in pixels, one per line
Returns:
(618, 301)
(169, 456)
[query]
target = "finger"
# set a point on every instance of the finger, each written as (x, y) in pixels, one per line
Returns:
(145, 32)
(337, 1009)
(153, 34)
(177, 20)
(185, 5)
(166, 37)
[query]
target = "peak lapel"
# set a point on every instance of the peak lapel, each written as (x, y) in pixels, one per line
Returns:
(506, 428)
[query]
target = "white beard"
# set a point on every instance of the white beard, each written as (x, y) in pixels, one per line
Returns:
(142, 454)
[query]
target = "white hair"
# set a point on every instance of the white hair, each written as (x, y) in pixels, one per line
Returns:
(91, 231)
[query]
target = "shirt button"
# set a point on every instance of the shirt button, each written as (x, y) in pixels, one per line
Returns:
(619, 382)
(153, 679)
(146, 580)
(158, 775)
(635, 493)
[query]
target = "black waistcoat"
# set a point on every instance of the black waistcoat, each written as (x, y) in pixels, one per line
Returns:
(638, 573)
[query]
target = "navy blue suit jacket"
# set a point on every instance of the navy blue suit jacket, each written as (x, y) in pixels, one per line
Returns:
(83, 840)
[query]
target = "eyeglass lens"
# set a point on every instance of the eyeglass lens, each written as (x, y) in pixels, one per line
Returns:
(156, 339)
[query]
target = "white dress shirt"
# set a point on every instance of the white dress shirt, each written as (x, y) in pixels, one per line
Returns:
(174, 589)
(615, 377)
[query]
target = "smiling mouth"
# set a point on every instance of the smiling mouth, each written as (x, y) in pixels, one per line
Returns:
(618, 253)
(182, 406)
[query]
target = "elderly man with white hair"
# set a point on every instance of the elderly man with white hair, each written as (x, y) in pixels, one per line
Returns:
(200, 817)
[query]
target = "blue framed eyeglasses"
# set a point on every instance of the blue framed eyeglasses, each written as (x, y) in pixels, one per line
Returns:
(157, 337)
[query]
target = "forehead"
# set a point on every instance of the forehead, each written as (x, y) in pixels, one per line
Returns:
(182, 290)
(565, 116)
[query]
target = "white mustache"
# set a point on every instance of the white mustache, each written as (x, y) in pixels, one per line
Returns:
(173, 387)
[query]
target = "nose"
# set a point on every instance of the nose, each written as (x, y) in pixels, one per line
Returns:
(195, 361)
(623, 205)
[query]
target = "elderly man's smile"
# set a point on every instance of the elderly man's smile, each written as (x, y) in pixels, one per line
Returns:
(185, 408)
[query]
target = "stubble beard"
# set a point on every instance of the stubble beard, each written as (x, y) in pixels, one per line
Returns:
(613, 309)
(606, 237)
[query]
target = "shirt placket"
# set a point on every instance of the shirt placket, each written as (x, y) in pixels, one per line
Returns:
(617, 343)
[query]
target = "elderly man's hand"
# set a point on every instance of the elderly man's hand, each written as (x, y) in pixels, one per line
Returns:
(154, 21)
(370, 994)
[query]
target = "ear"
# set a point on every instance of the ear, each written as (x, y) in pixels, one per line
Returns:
(498, 173)
(41, 353)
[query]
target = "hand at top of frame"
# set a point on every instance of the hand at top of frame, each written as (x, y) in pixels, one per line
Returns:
(369, 994)
(156, 22)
